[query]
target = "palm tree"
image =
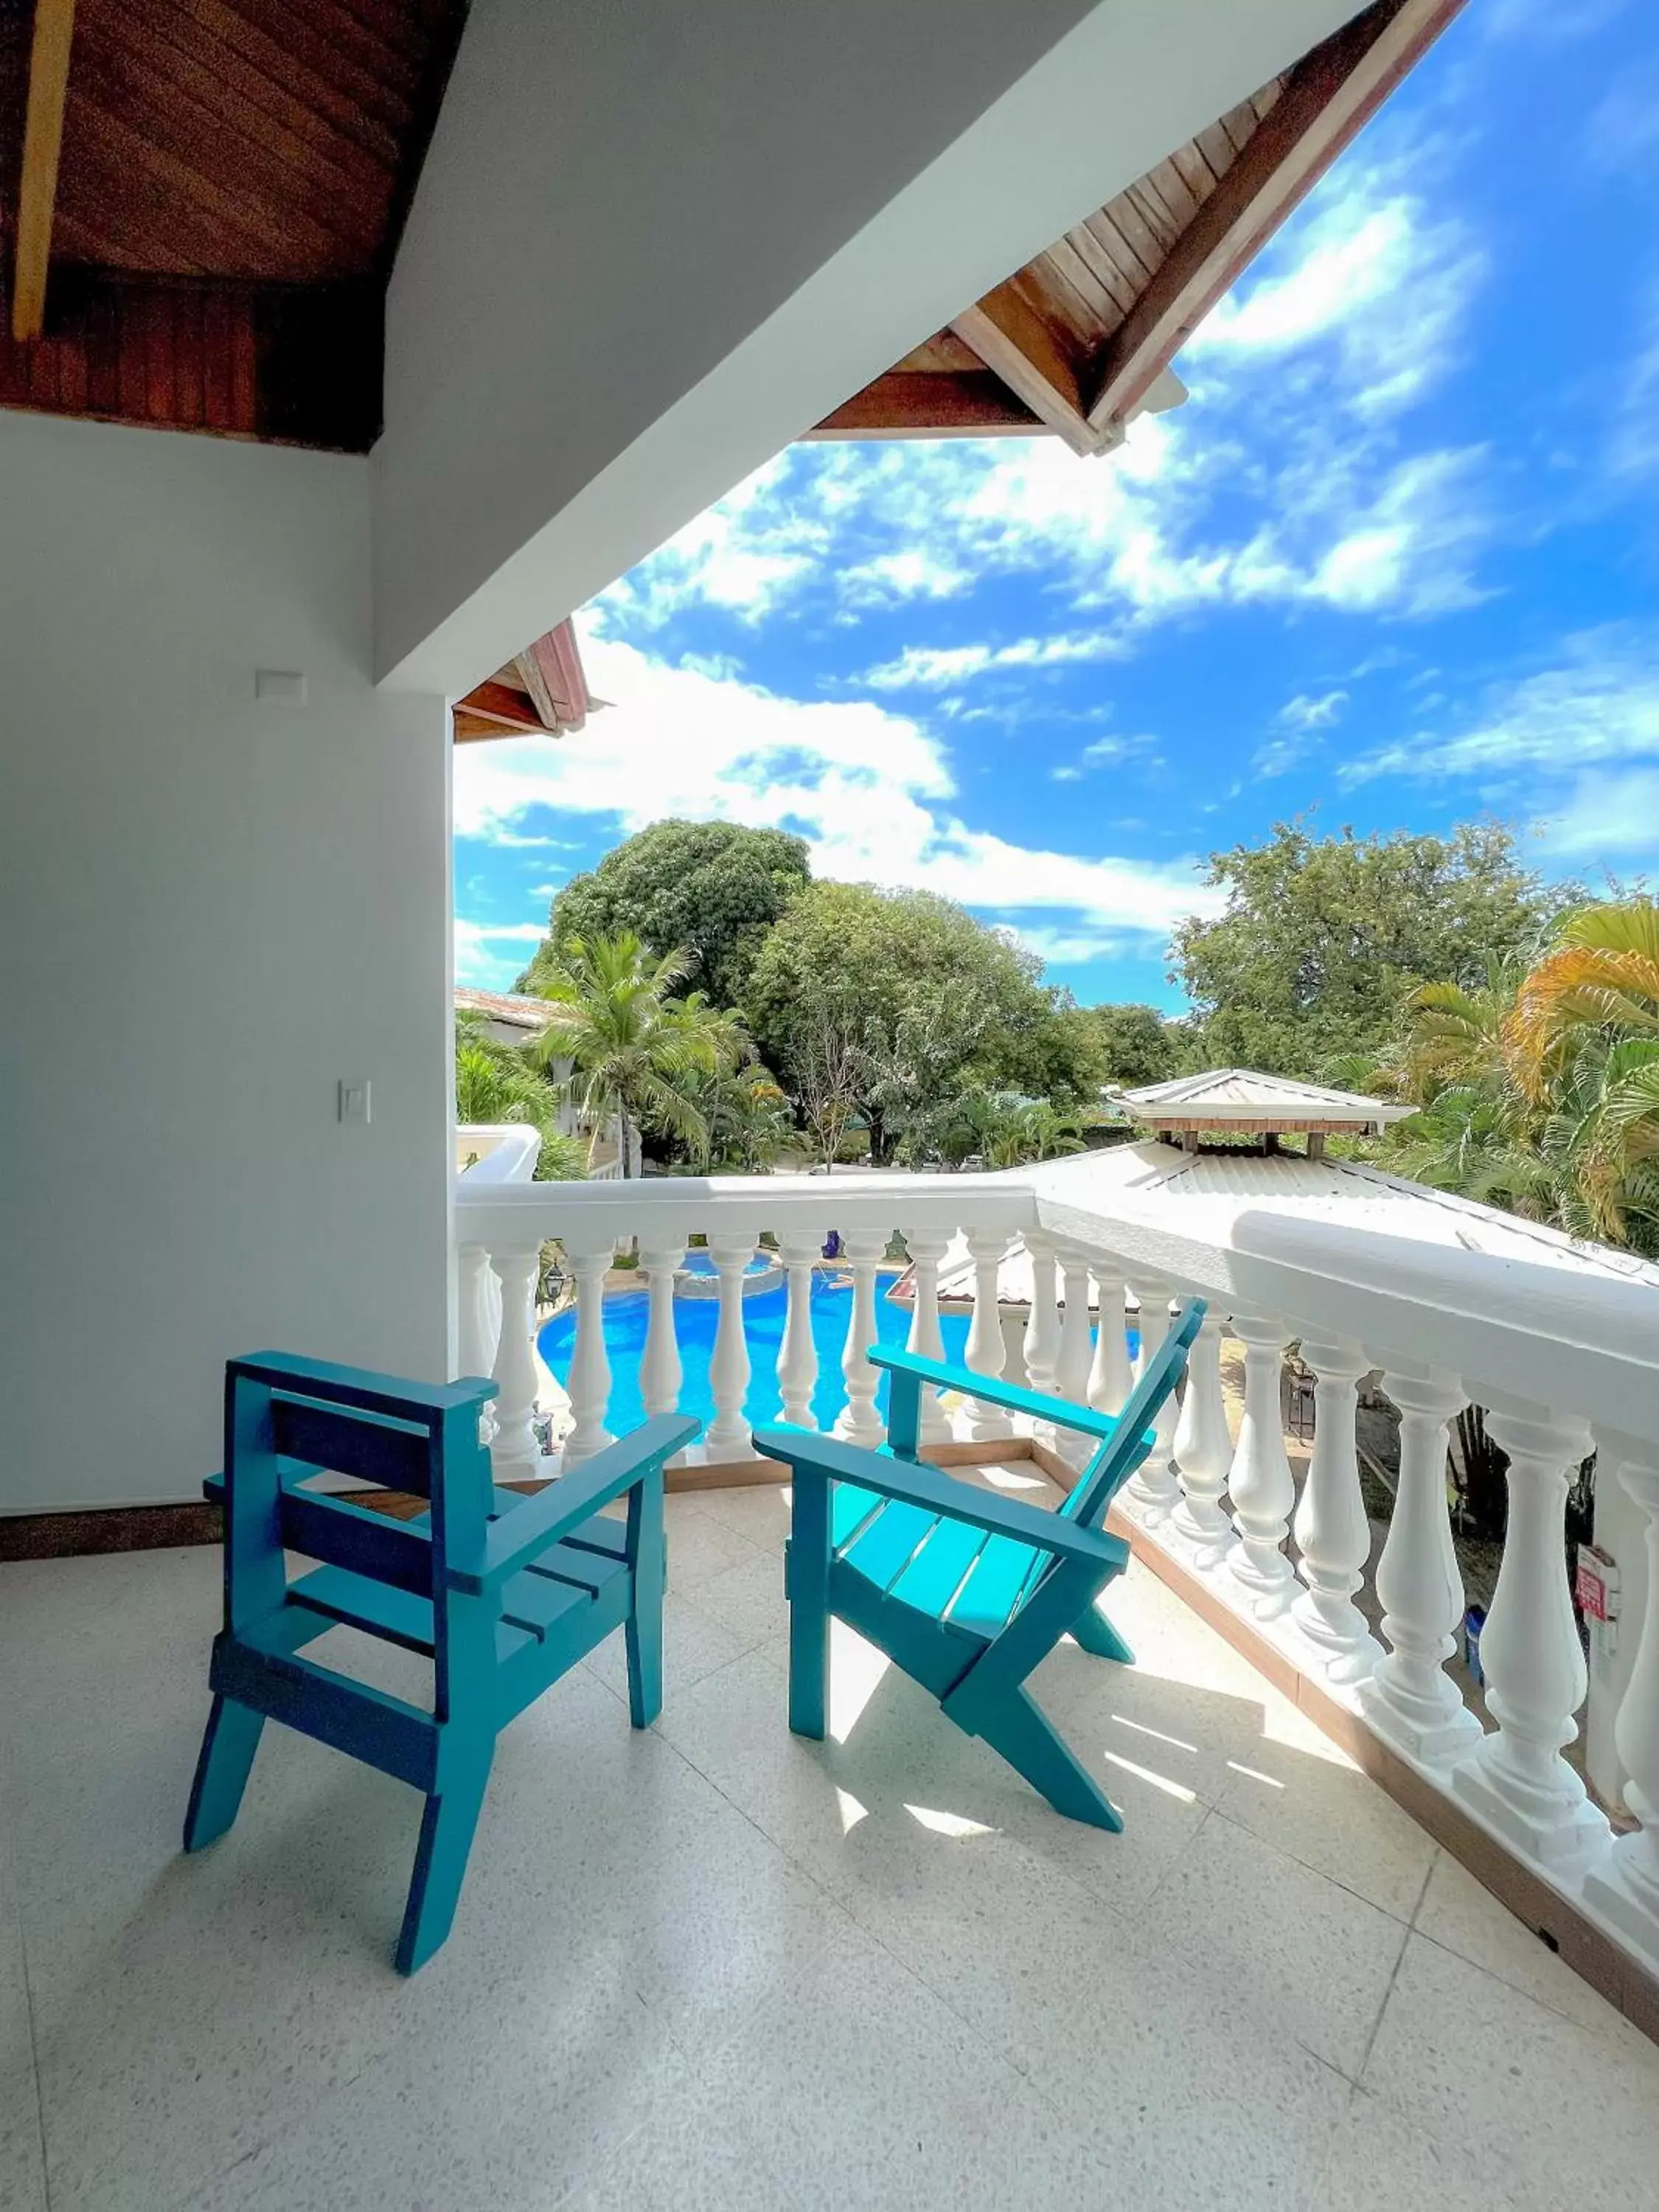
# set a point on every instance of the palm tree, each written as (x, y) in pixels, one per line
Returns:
(635, 1050)
(495, 1082)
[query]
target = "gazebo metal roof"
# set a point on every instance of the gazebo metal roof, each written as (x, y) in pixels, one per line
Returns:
(1241, 1099)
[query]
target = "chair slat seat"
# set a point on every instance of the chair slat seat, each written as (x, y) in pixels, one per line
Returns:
(888, 1542)
(849, 1509)
(996, 1585)
(939, 1567)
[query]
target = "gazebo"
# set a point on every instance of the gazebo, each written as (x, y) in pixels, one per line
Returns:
(1242, 1102)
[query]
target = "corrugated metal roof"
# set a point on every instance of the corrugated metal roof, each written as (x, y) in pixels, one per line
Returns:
(1233, 1092)
(518, 1013)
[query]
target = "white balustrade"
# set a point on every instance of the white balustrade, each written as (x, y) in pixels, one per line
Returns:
(1076, 1351)
(1042, 1323)
(728, 1367)
(1408, 1697)
(1203, 1450)
(479, 1320)
(986, 1352)
(798, 1355)
(1625, 1888)
(1548, 1350)
(865, 1250)
(1111, 1378)
(1332, 1530)
(1259, 1481)
(660, 1369)
(926, 1339)
(1530, 1653)
(589, 1382)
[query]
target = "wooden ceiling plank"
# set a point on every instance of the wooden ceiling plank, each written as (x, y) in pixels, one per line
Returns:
(221, 79)
(508, 711)
(1195, 172)
(1328, 96)
(1012, 340)
(1240, 124)
(1120, 289)
(1218, 149)
(1155, 212)
(42, 139)
(1098, 303)
(311, 75)
(1124, 232)
(236, 166)
(930, 403)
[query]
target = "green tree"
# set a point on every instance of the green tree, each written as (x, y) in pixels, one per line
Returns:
(1136, 1045)
(709, 890)
(495, 1083)
(637, 1052)
(1321, 938)
(883, 1001)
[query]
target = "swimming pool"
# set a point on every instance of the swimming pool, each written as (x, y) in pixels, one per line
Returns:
(626, 1313)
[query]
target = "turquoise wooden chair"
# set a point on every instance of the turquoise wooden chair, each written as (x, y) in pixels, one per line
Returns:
(503, 1592)
(965, 1590)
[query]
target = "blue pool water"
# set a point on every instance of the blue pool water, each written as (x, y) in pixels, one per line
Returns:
(625, 1316)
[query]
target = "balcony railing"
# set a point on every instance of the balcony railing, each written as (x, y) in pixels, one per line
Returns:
(1562, 1362)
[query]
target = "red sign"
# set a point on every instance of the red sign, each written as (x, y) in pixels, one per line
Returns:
(1590, 1590)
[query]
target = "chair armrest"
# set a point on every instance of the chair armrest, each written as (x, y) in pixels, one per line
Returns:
(995, 1392)
(516, 1538)
(915, 1483)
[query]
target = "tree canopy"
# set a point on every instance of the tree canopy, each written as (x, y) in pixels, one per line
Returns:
(709, 890)
(1322, 939)
(885, 1000)
(1136, 1044)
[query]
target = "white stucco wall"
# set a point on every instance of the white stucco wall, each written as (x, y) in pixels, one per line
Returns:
(210, 911)
(653, 244)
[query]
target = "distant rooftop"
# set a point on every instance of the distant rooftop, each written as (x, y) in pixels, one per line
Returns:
(1240, 1098)
(506, 1006)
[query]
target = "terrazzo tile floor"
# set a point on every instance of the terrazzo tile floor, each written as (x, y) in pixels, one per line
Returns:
(710, 1965)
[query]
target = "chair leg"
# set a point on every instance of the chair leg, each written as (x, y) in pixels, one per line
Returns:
(1096, 1635)
(222, 1771)
(808, 1663)
(448, 1826)
(1018, 1727)
(643, 1636)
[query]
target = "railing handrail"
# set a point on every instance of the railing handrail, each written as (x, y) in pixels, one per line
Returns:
(504, 1214)
(510, 1160)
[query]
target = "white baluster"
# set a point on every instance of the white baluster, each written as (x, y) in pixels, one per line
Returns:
(1153, 1486)
(1331, 1526)
(798, 1355)
(1203, 1450)
(479, 1338)
(1111, 1378)
(1530, 1653)
(660, 1372)
(1076, 1352)
(925, 1339)
(589, 1381)
(1626, 1886)
(1042, 1322)
(1407, 1697)
(1260, 1480)
(986, 1350)
(514, 1450)
(865, 1249)
(728, 1433)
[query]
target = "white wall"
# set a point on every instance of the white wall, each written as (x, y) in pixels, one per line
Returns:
(653, 243)
(211, 910)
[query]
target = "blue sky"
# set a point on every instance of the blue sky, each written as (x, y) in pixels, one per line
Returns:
(1394, 561)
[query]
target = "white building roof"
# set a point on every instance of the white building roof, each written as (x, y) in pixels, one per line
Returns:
(1225, 1095)
(1150, 1197)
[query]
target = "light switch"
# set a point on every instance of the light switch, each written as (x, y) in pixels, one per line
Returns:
(280, 687)
(353, 1099)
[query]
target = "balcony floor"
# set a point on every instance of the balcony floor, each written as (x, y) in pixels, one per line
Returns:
(714, 1966)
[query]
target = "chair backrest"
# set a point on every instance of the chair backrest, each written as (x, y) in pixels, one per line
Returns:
(1117, 1458)
(287, 1419)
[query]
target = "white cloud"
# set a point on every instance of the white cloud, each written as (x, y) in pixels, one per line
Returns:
(936, 665)
(1306, 712)
(1071, 947)
(1606, 816)
(911, 574)
(477, 961)
(868, 788)
(1600, 702)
